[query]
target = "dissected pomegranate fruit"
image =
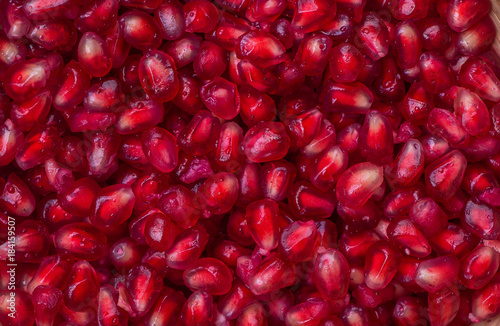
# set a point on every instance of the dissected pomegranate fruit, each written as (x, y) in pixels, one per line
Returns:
(249, 162)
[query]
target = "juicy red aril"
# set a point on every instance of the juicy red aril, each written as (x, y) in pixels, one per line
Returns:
(249, 162)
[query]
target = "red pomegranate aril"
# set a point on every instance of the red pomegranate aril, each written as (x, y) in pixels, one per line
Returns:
(434, 72)
(375, 137)
(310, 312)
(16, 198)
(408, 44)
(312, 54)
(125, 254)
(357, 184)
(371, 36)
(311, 15)
(443, 305)
(200, 135)
(306, 202)
(11, 138)
(200, 16)
(261, 48)
(198, 309)
(165, 309)
(76, 199)
(112, 206)
(381, 264)
(221, 97)
(102, 152)
(169, 17)
(427, 214)
(272, 274)
(478, 267)
(477, 38)
(187, 248)
(180, 205)
(53, 271)
(81, 120)
(352, 98)
(437, 274)
(478, 76)
(80, 241)
(15, 23)
(24, 79)
(409, 310)
(484, 303)
(297, 241)
(443, 176)
(472, 112)
(259, 78)
(160, 147)
(93, 55)
(143, 285)
(210, 275)
(403, 233)
(219, 193)
(97, 16)
(140, 30)
(234, 302)
(463, 14)
(346, 63)
(183, 50)
(159, 232)
(82, 288)
(158, 76)
(73, 86)
(262, 220)
(482, 219)
(369, 298)
(42, 9)
(210, 62)
(58, 34)
(23, 316)
(354, 315)
(264, 10)
(477, 179)
(331, 273)
(265, 142)
(47, 301)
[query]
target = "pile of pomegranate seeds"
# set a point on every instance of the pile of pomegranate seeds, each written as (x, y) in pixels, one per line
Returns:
(249, 162)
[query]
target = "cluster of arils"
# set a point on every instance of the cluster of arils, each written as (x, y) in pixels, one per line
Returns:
(249, 162)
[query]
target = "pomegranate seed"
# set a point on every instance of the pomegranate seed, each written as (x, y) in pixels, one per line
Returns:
(73, 86)
(261, 48)
(140, 30)
(143, 285)
(24, 79)
(112, 206)
(169, 17)
(158, 76)
(47, 301)
(200, 16)
(58, 35)
(351, 98)
(11, 138)
(484, 303)
(463, 14)
(346, 63)
(443, 305)
(208, 274)
(310, 312)
(160, 148)
(221, 97)
(125, 254)
(80, 241)
(198, 309)
(24, 308)
(443, 176)
(478, 76)
(93, 55)
(272, 274)
(311, 15)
